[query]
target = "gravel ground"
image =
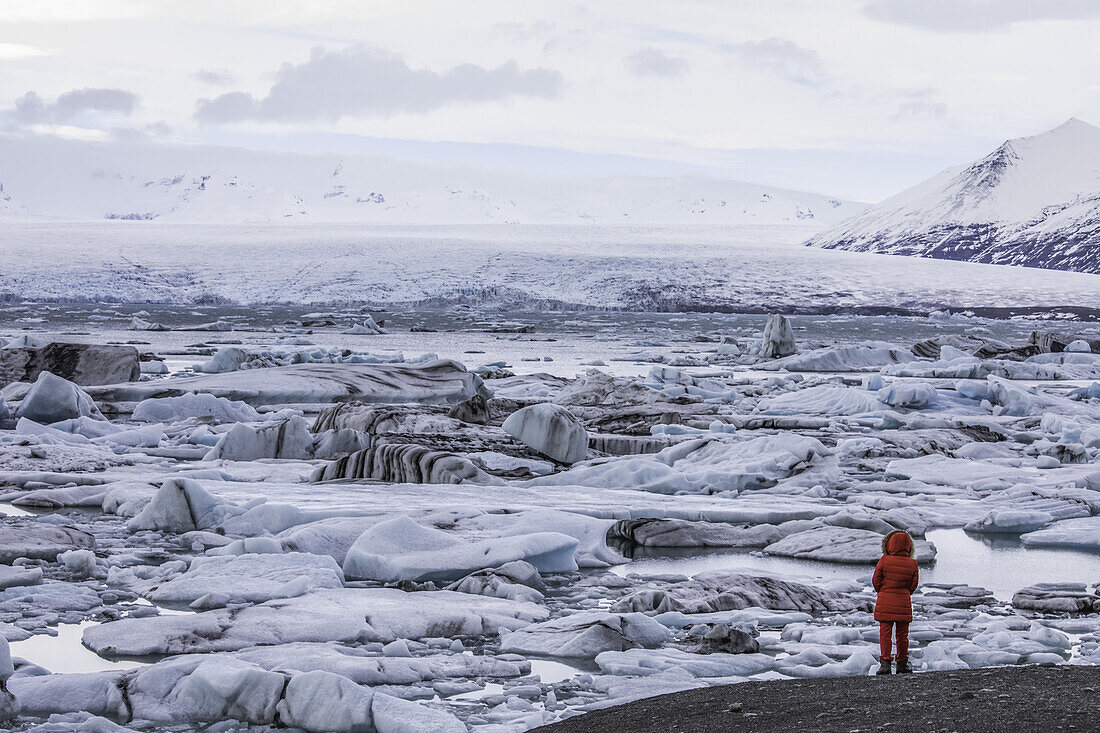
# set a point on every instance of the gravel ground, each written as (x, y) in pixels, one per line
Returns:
(994, 700)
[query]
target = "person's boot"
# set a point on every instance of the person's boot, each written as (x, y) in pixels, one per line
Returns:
(884, 667)
(903, 666)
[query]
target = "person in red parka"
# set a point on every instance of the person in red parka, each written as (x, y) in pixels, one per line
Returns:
(894, 580)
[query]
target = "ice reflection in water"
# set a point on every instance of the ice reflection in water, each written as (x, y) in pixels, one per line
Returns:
(550, 671)
(65, 653)
(1001, 564)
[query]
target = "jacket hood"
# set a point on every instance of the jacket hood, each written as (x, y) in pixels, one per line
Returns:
(898, 543)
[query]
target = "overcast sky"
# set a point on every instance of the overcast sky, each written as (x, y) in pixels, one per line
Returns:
(857, 98)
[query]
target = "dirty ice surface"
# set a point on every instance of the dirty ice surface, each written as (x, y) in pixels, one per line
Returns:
(322, 520)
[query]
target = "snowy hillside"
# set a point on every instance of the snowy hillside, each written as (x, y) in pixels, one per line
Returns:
(67, 180)
(1034, 201)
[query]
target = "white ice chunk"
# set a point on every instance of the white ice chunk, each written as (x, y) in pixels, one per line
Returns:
(551, 430)
(323, 702)
(343, 615)
(394, 715)
(227, 359)
(843, 358)
(401, 549)
(1082, 533)
(52, 399)
(285, 439)
(433, 382)
(251, 578)
(586, 634)
(181, 505)
(80, 563)
(224, 688)
(708, 465)
(643, 662)
(823, 399)
(184, 407)
(841, 544)
(6, 666)
(914, 395)
(1012, 521)
(778, 337)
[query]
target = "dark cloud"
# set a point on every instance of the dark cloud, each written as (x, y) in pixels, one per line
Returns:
(655, 62)
(977, 15)
(781, 57)
(371, 82)
(216, 77)
(31, 109)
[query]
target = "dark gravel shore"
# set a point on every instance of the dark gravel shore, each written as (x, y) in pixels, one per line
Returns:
(995, 700)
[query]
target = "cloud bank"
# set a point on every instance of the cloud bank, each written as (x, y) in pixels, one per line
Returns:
(370, 82)
(31, 109)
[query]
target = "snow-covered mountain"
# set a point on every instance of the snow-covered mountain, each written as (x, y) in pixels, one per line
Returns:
(1034, 201)
(79, 180)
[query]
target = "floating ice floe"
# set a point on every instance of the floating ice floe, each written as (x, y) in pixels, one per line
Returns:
(39, 541)
(1083, 533)
(778, 337)
(841, 544)
(297, 351)
(323, 701)
(401, 549)
(551, 430)
(1011, 521)
(376, 419)
(913, 395)
(858, 357)
(9, 705)
(187, 406)
(434, 382)
(83, 364)
(52, 399)
(1057, 598)
(644, 662)
(288, 438)
(368, 326)
(699, 466)
(181, 505)
(965, 366)
(338, 615)
(140, 324)
(682, 533)
(249, 578)
(823, 399)
(585, 634)
(517, 580)
(720, 591)
(403, 463)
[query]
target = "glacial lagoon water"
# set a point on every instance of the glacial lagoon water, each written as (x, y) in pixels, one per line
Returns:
(999, 563)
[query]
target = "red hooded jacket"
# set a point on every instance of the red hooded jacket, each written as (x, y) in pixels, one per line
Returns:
(895, 578)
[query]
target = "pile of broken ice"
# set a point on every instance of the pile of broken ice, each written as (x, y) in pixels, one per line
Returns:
(332, 544)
